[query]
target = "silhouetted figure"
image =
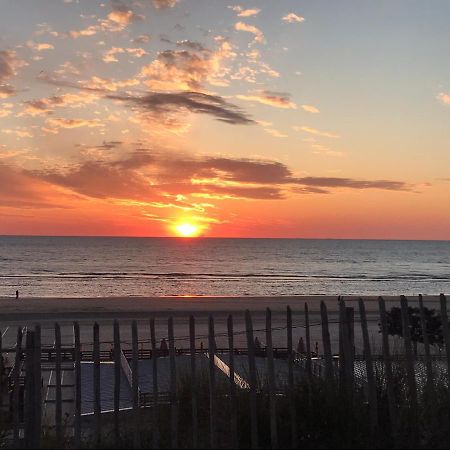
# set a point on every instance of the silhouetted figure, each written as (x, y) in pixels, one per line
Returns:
(17, 295)
(317, 348)
(301, 346)
(257, 344)
(163, 348)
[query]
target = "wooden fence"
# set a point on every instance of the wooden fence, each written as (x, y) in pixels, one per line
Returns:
(25, 388)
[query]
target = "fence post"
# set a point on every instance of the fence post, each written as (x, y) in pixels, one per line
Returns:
(271, 377)
(155, 430)
(290, 349)
(37, 386)
(173, 387)
(388, 369)
(233, 400)
(77, 367)
(252, 379)
(346, 355)
(135, 384)
(212, 383)
(16, 391)
(58, 396)
(371, 382)
(117, 375)
(326, 342)
(426, 343)
(412, 388)
(445, 332)
(29, 403)
(97, 397)
(193, 382)
(308, 344)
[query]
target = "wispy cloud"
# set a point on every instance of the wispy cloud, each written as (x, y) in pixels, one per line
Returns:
(444, 97)
(259, 36)
(243, 12)
(316, 132)
(276, 99)
(311, 109)
(292, 18)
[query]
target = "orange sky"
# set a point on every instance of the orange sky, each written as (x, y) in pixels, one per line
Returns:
(264, 119)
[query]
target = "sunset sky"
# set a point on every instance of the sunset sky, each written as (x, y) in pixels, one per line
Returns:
(288, 118)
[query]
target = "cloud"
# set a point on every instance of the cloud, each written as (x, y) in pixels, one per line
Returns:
(444, 98)
(44, 106)
(259, 36)
(241, 12)
(40, 46)
(21, 189)
(142, 39)
(311, 109)
(110, 55)
(188, 68)
(276, 99)
(316, 132)
(330, 182)
(163, 4)
(194, 102)
(9, 65)
(292, 18)
(73, 123)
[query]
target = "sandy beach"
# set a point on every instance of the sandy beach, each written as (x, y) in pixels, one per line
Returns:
(129, 307)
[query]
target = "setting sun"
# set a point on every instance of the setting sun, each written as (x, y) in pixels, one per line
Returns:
(187, 230)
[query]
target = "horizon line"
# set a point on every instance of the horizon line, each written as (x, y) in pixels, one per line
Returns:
(220, 237)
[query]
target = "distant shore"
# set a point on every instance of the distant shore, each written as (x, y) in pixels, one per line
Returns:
(110, 307)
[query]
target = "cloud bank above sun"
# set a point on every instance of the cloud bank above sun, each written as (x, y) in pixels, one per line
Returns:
(233, 119)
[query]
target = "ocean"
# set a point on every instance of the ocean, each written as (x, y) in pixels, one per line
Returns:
(104, 266)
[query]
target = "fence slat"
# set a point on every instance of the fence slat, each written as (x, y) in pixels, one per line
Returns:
(29, 403)
(212, 384)
(16, 391)
(155, 429)
(117, 375)
(193, 382)
(77, 367)
(97, 392)
(290, 350)
(371, 382)
(173, 387)
(426, 343)
(326, 342)
(252, 379)
(37, 386)
(271, 380)
(135, 384)
(445, 332)
(388, 370)
(411, 377)
(233, 399)
(308, 344)
(58, 396)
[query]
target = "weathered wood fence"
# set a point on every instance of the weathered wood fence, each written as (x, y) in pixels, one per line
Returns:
(24, 382)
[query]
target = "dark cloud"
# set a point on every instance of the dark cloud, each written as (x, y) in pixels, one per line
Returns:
(330, 182)
(195, 102)
(144, 175)
(20, 189)
(170, 102)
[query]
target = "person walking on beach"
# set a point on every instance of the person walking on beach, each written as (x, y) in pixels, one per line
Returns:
(17, 294)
